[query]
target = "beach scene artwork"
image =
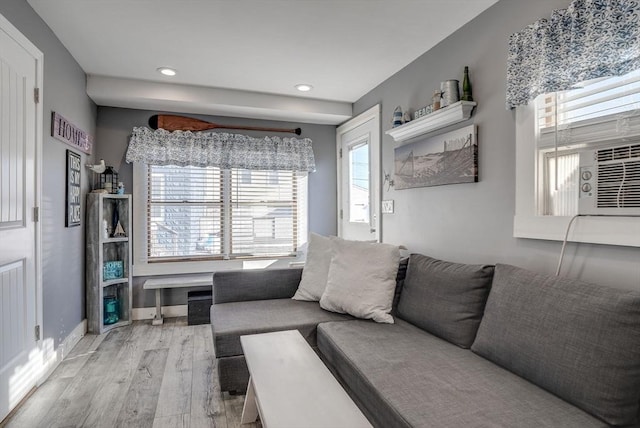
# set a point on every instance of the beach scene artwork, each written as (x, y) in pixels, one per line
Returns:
(449, 158)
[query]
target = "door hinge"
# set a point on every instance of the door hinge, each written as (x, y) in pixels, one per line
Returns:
(341, 212)
(36, 95)
(37, 332)
(340, 153)
(36, 214)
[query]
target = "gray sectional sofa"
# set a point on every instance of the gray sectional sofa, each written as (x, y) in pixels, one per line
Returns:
(471, 345)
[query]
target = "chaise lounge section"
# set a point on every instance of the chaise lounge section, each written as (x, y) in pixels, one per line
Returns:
(258, 301)
(401, 377)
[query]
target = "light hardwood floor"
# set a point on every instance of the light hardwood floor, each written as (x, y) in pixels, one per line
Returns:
(135, 376)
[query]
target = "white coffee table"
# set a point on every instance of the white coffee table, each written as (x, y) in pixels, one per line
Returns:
(290, 387)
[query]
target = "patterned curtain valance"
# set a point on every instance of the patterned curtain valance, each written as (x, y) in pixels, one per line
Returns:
(222, 150)
(588, 40)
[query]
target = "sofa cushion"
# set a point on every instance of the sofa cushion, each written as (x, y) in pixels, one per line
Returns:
(400, 277)
(240, 285)
(580, 341)
(229, 321)
(362, 280)
(316, 268)
(444, 298)
(233, 374)
(401, 376)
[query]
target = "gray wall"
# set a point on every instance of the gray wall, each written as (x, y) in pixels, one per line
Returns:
(62, 248)
(114, 129)
(473, 223)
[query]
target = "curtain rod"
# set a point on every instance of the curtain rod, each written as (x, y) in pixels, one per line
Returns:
(170, 122)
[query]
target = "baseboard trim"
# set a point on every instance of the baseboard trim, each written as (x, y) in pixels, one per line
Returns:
(53, 358)
(167, 311)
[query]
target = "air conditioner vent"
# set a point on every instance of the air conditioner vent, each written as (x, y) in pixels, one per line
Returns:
(618, 153)
(610, 181)
(619, 182)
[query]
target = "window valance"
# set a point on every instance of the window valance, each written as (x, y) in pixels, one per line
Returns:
(588, 40)
(223, 150)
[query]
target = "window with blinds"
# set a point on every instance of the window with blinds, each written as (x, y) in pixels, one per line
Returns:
(207, 213)
(595, 114)
(263, 213)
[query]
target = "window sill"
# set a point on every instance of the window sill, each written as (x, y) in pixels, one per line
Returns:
(176, 268)
(623, 231)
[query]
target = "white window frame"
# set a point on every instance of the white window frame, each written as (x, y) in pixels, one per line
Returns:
(624, 231)
(141, 265)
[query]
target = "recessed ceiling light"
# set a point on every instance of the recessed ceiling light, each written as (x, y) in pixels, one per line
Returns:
(167, 71)
(303, 87)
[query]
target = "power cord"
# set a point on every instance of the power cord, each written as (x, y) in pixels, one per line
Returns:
(566, 235)
(564, 243)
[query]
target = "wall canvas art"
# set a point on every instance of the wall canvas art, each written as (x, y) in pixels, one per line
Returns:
(449, 158)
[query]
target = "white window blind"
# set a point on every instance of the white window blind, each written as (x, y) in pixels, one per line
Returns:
(207, 213)
(604, 110)
(595, 114)
(561, 195)
(264, 214)
(185, 209)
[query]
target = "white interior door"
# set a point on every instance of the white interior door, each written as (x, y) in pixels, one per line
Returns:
(18, 142)
(358, 142)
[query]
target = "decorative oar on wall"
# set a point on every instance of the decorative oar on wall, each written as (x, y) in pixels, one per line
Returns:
(170, 122)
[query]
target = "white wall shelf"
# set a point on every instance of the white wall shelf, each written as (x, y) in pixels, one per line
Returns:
(450, 115)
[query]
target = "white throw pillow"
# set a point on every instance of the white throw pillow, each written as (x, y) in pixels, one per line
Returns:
(316, 268)
(362, 280)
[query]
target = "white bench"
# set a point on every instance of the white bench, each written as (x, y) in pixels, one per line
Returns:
(159, 284)
(290, 387)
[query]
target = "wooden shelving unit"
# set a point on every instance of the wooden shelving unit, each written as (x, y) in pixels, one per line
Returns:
(101, 249)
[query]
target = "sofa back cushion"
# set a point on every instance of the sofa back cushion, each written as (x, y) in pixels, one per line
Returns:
(577, 340)
(400, 277)
(446, 299)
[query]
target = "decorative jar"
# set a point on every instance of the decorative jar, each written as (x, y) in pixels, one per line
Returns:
(111, 310)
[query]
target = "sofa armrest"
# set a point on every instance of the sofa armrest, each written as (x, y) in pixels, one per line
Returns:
(259, 284)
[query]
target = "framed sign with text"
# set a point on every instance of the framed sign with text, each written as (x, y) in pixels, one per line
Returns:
(74, 163)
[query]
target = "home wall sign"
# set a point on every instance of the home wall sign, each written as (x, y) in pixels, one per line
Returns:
(73, 189)
(68, 133)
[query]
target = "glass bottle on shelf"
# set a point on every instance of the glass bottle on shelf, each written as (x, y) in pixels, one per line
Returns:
(466, 86)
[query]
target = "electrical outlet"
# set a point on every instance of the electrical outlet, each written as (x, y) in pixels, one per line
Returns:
(387, 206)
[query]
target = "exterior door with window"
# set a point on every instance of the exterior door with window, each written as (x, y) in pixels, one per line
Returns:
(19, 365)
(359, 177)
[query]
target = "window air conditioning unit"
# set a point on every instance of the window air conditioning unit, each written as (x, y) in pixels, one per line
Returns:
(610, 181)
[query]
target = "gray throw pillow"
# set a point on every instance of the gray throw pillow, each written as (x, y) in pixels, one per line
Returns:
(446, 299)
(577, 340)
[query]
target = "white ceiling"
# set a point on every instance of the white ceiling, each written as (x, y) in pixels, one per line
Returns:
(344, 48)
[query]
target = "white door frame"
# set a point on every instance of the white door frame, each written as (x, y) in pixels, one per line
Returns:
(28, 46)
(375, 158)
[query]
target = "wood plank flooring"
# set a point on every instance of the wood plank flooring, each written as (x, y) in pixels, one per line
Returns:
(135, 376)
